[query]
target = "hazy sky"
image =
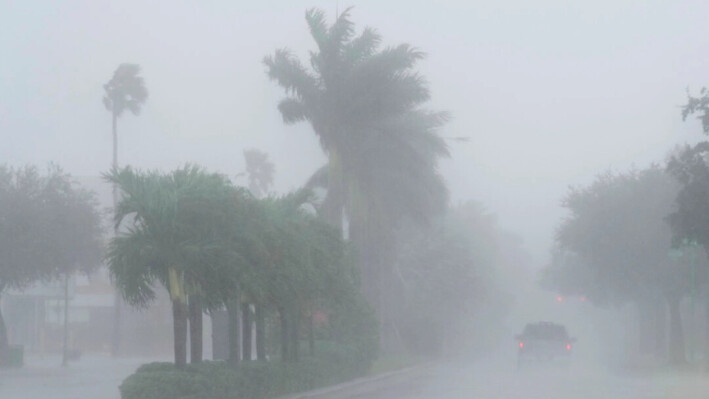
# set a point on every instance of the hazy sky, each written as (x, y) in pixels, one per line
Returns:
(549, 92)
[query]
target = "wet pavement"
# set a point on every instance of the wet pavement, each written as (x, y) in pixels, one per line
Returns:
(91, 377)
(496, 380)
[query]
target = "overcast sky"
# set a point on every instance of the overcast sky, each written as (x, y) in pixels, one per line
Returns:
(549, 92)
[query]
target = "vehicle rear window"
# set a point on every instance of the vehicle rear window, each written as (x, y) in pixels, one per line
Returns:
(545, 331)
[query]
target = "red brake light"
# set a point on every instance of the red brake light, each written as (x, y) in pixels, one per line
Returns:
(568, 347)
(521, 345)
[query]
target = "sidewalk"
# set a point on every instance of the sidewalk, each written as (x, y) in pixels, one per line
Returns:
(366, 385)
(91, 377)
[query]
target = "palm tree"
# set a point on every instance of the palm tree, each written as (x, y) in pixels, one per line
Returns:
(177, 228)
(364, 103)
(259, 171)
(125, 91)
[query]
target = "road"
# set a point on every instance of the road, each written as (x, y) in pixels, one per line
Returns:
(500, 380)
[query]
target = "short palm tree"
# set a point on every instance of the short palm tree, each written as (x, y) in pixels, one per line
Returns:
(177, 228)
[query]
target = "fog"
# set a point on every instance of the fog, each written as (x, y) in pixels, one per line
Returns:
(546, 95)
(549, 93)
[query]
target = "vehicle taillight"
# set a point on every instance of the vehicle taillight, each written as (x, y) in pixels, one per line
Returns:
(521, 345)
(568, 347)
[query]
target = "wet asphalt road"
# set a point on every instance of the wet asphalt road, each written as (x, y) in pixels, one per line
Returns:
(501, 380)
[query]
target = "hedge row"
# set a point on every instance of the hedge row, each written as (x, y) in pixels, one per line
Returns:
(248, 380)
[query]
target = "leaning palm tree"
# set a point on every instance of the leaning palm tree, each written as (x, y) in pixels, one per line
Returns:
(125, 91)
(364, 103)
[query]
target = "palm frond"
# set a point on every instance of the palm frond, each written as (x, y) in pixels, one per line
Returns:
(293, 110)
(290, 74)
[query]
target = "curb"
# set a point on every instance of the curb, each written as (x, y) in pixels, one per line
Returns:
(361, 385)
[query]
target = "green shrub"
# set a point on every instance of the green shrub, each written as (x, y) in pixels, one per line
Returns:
(332, 364)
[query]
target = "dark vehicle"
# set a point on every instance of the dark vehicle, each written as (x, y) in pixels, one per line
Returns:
(544, 341)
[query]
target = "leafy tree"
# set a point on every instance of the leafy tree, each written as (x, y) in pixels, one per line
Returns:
(125, 91)
(364, 103)
(618, 243)
(177, 230)
(48, 229)
(447, 272)
(698, 105)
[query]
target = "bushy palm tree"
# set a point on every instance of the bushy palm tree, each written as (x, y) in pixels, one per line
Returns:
(177, 230)
(364, 103)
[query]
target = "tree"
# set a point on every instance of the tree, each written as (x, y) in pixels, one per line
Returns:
(447, 272)
(690, 167)
(365, 105)
(125, 91)
(698, 105)
(48, 229)
(615, 246)
(177, 230)
(259, 170)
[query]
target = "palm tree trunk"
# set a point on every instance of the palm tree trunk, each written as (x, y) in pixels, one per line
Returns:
(179, 325)
(294, 335)
(660, 330)
(116, 338)
(65, 347)
(232, 308)
(285, 352)
(260, 332)
(311, 335)
(246, 327)
(195, 329)
(677, 354)
(4, 342)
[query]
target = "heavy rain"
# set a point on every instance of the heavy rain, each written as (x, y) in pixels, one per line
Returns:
(365, 199)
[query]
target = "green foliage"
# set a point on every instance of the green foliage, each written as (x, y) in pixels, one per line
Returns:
(364, 103)
(698, 105)
(446, 274)
(619, 240)
(49, 227)
(690, 220)
(184, 220)
(125, 91)
(250, 380)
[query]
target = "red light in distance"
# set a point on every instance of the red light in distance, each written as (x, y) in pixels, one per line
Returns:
(559, 299)
(521, 345)
(568, 347)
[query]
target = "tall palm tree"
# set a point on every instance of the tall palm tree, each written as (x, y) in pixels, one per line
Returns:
(364, 103)
(125, 91)
(259, 171)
